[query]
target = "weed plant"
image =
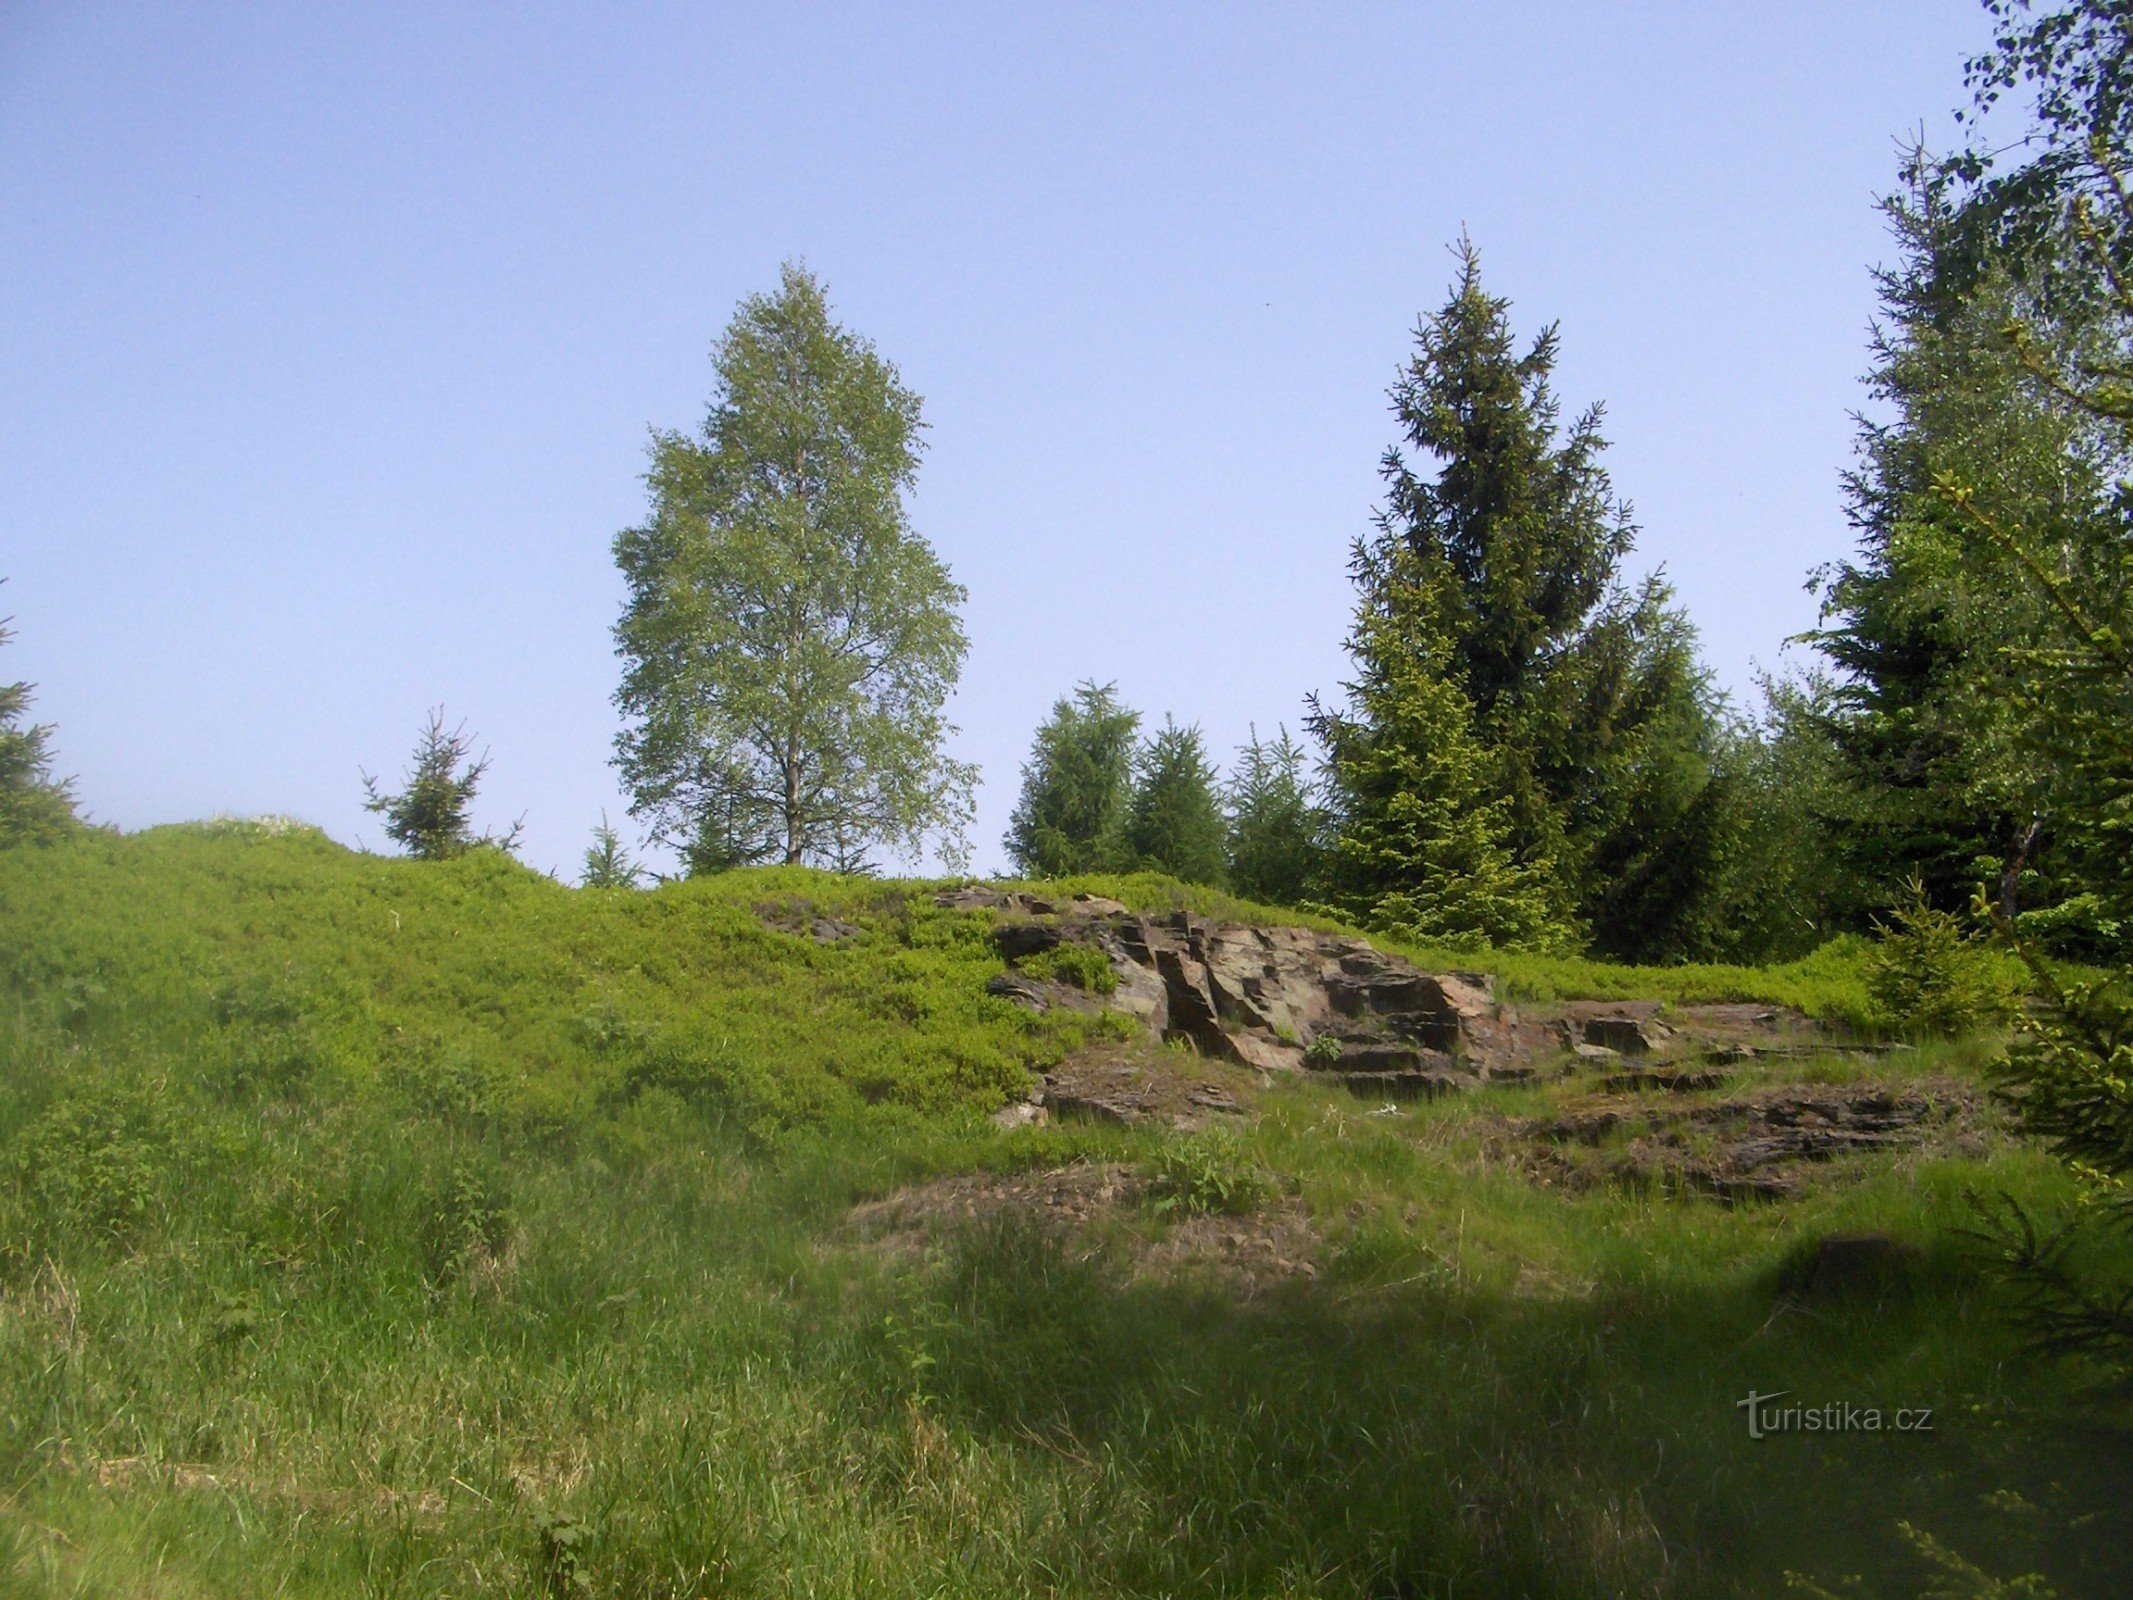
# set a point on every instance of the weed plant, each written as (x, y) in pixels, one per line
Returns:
(1208, 1172)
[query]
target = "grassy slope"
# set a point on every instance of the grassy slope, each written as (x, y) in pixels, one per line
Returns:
(361, 1217)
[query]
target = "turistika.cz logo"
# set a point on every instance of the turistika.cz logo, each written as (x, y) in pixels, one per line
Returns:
(1767, 1417)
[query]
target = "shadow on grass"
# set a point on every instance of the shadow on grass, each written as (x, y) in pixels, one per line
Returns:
(1428, 1440)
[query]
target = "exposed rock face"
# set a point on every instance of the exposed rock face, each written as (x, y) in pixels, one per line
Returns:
(1278, 999)
(1294, 1000)
(1036, 994)
(1755, 1146)
(800, 917)
(1119, 1086)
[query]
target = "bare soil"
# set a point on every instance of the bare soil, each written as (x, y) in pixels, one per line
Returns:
(1095, 1209)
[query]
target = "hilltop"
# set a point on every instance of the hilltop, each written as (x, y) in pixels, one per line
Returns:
(377, 1226)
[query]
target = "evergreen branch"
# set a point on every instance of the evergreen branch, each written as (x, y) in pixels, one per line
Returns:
(2096, 635)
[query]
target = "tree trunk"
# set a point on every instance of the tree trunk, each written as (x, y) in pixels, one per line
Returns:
(792, 812)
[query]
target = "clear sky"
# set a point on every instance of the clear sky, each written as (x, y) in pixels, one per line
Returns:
(330, 336)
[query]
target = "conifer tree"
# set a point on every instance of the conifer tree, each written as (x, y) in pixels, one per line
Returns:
(1935, 784)
(1174, 820)
(607, 864)
(1518, 530)
(1075, 786)
(2060, 225)
(1780, 892)
(431, 818)
(1423, 848)
(1276, 825)
(33, 804)
(1597, 727)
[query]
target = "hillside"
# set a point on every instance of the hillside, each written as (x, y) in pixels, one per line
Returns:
(382, 1227)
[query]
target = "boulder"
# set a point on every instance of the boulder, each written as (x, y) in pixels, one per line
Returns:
(1627, 1027)
(1025, 992)
(1095, 905)
(1038, 994)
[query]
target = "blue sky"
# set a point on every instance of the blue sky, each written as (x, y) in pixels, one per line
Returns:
(330, 336)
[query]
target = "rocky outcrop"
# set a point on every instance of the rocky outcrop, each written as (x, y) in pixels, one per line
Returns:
(1123, 1085)
(1751, 1146)
(1297, 1000)
(1282, 999)
(800, 917)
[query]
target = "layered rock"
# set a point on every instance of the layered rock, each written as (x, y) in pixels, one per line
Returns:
(1281, 999)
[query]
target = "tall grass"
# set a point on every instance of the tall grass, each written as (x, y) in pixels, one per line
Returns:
(381, 1228)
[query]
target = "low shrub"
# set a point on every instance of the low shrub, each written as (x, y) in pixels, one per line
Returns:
(1083, 966)
(1929, 976)
(96, 1160)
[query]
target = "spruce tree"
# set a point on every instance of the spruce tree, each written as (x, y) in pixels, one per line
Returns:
(1071, 814)
(1780, 892)
(607, 864)
(1518, 528)
(1598, 729)
(1936, 784)
(33, 804)
(431, 818)
(1276, 825)
(2059, 226)
(1424, 843)
(1174, 820)
(1640, 778)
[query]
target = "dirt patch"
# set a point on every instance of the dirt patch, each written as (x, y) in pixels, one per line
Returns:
(1061, 1202)
(1135, 1082)
(1763, 1145)
(1081, 1206)
(1248, 1254)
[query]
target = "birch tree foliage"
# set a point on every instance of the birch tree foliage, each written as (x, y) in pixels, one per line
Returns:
(789, 641)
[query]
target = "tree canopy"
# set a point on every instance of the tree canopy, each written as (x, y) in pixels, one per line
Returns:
(1075, 786)
(1277, 825)
(1424, 844)
(789, 641)
(1173, 819)
(1568, 724)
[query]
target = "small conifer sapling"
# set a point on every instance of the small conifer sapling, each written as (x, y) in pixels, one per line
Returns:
(429, 818)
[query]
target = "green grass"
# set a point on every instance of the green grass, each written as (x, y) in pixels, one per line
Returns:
(382, 1228)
